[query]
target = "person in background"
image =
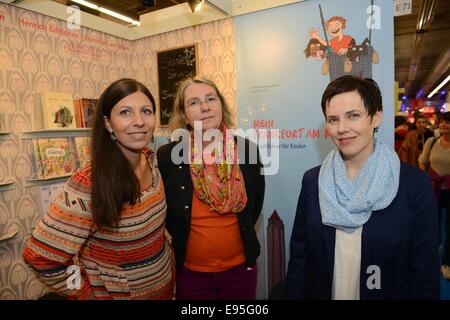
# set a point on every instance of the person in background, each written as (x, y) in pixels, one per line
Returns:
(409, 149)
(366, 224)
(423, 133)
(104, 236)
(212, 206)
(435, 159)
(434, 124)
(401, 130)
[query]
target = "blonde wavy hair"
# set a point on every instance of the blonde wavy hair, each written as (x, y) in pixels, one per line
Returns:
(177, 119)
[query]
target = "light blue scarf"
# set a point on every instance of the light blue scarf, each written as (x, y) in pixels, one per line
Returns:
(347, 204)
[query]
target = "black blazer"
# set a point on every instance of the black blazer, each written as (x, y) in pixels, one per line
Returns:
(179, 190)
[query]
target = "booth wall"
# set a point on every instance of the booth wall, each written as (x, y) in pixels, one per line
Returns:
(39, 53)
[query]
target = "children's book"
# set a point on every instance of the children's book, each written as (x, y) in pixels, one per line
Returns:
(54, 110)
(85, 112)
(83, 147)
(56, 157)
(37, 160)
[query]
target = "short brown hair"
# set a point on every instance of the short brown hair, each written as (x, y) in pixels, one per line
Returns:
(367, 88)
(177, 119)
(337, 18)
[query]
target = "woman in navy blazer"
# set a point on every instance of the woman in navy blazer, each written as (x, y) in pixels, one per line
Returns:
(365, 226)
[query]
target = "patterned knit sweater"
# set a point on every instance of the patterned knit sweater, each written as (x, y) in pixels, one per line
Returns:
(131, 261)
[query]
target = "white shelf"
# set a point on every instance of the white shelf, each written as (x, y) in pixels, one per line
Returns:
(5, 186)
(4, 135)
(57, 133)
(8, 236)
(36, 182)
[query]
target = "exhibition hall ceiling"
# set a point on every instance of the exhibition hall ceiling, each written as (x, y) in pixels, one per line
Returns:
(163, 16)
(422, 47)
(131, 8)
(422, 38)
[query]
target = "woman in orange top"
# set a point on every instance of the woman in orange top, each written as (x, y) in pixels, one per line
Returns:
(213, 202)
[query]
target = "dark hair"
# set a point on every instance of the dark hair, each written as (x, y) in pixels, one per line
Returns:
(421, 116)
(308, 52)
(445, 116)
(366, 88)
(400, 120)
(113, 180)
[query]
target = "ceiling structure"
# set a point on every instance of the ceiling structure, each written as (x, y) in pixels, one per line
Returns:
(130, 8)
(166, 15)
(422, 47)
(422, 39)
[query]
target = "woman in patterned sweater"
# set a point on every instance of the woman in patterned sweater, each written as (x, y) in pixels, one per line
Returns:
(104, 235)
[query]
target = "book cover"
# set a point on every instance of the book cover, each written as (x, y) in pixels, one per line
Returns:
(48, 193)
(45, 197)
(85, 109)
(37, 160)
(78, 113)
(58, 110)
(56, 157)
(83, 147)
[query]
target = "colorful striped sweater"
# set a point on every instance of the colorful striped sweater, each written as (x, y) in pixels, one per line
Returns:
(131, 261)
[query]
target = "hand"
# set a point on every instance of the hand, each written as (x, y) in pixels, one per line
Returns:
(314, 33)
(342, 51)
(168, 236)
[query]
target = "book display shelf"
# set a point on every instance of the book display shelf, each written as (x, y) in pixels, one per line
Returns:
(5, 186)
(57, 153)
(4, 135)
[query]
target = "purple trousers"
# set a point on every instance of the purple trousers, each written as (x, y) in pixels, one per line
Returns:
(237, 283)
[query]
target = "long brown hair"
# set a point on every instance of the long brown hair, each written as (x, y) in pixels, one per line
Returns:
(114, 183)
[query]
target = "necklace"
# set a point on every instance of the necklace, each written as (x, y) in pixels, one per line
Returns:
(148, 174)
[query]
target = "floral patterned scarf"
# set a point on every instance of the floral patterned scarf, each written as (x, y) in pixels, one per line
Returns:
(221, 184)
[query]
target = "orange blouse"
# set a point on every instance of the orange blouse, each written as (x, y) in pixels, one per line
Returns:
(214, 243)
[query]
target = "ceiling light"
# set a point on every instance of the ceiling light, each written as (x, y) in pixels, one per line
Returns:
(195, 5)
(107, 11)
(115, 14)
(86, 4)
(443, 83)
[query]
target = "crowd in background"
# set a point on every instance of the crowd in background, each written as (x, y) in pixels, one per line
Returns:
(426, 143)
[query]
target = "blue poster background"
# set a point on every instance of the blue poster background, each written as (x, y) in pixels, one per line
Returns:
(279, 88)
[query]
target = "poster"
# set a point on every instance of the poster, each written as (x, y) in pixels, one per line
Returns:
(280, 86)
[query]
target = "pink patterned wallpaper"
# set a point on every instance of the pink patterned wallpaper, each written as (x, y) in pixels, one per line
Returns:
(38, 53)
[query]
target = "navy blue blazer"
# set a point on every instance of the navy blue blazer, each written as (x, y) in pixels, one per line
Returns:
(402, 240)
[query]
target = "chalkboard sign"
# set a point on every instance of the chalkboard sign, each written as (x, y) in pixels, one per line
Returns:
(173, 66)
